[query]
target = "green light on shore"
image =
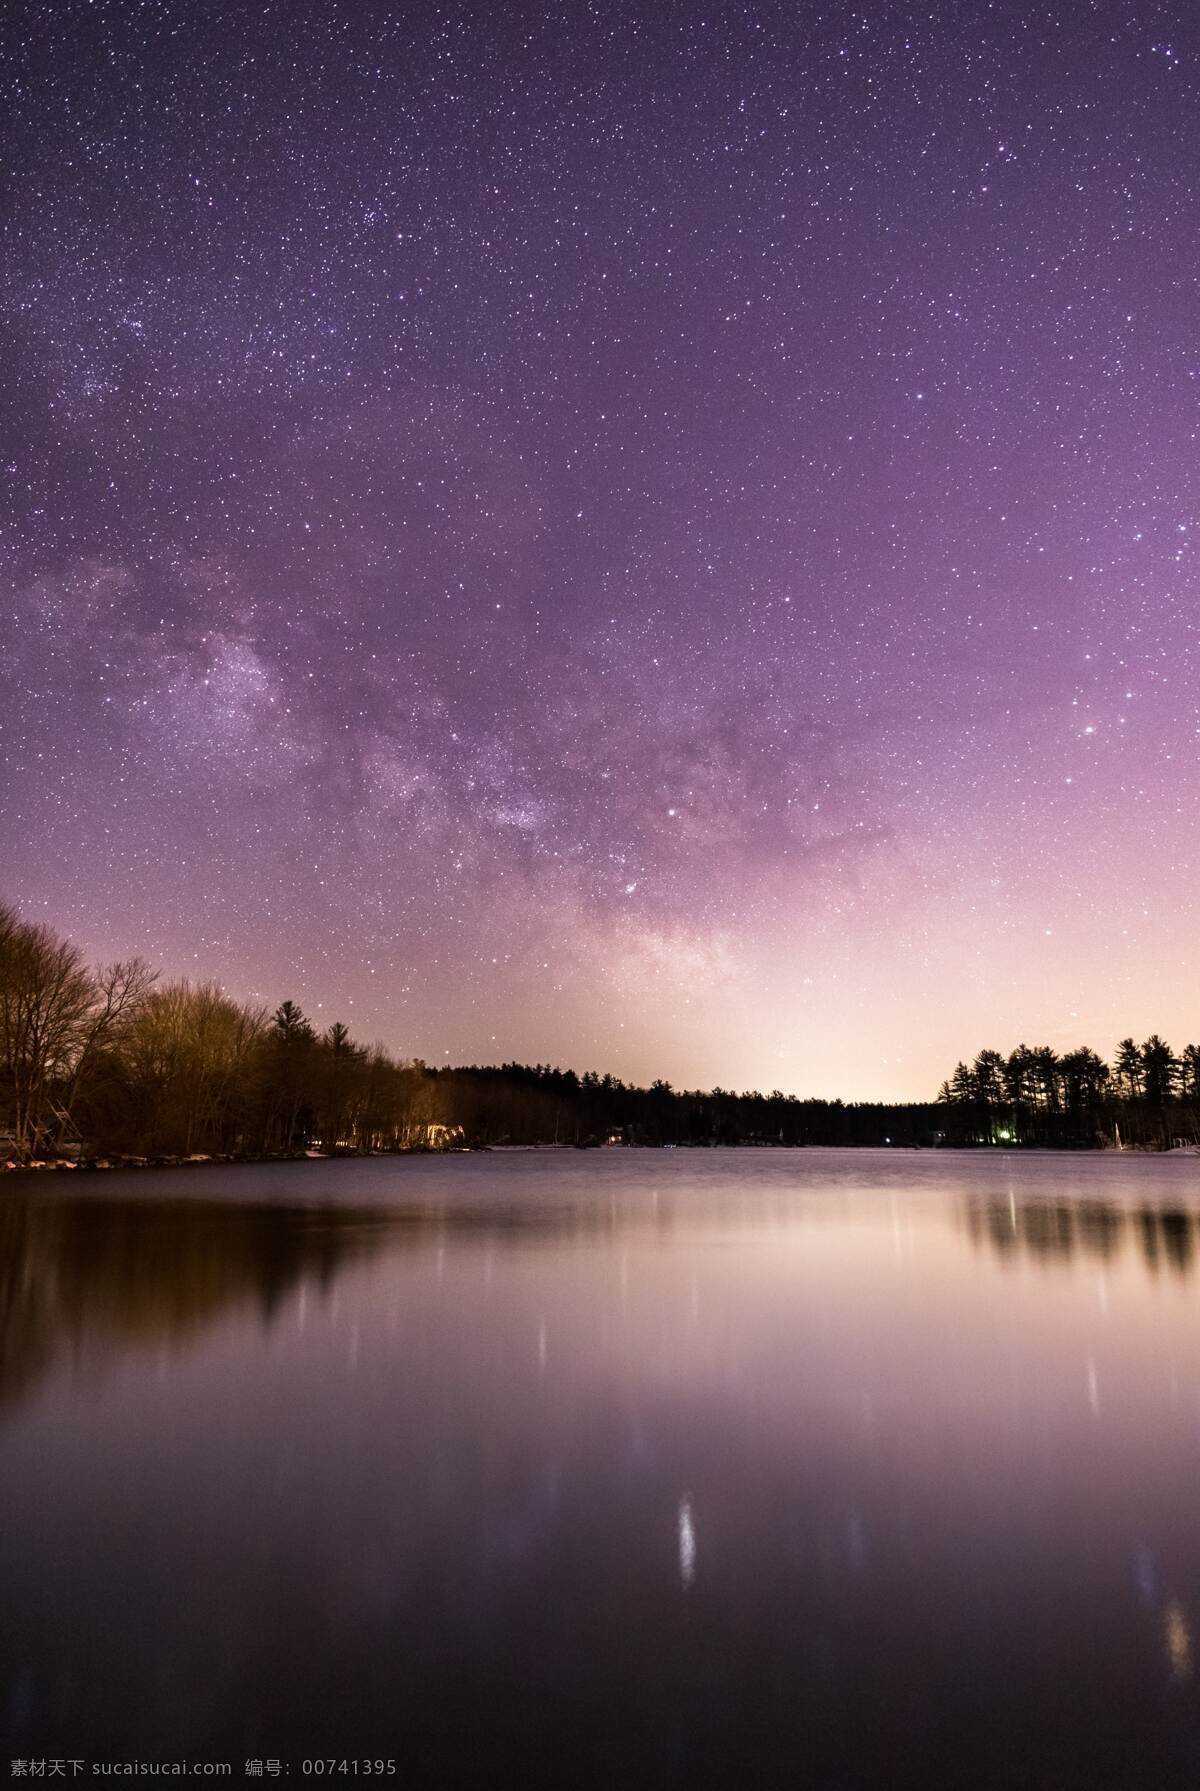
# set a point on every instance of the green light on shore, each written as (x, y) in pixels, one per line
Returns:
(1004, 1137)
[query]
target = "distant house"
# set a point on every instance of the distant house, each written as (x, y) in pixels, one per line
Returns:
(439, 1137)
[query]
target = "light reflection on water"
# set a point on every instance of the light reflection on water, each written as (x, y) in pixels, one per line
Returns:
(628, 1467)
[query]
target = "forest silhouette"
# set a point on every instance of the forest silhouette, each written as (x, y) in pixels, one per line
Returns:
(108, 1064)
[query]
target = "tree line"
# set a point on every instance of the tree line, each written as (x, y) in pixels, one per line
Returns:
(111, 1063)
(1149, 1097)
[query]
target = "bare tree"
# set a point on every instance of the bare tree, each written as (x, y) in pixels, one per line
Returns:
(121, 992)
(47, 999)
(192, 1055)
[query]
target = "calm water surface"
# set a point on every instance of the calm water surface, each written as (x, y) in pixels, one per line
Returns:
(610, 1469)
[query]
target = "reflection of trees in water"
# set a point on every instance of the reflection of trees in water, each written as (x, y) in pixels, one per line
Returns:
(81, 1272)
(86, 1275)
(1059, 1231)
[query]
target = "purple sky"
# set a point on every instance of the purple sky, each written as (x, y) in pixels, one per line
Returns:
(648, 537)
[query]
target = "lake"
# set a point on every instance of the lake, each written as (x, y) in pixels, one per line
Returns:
(609, 1468)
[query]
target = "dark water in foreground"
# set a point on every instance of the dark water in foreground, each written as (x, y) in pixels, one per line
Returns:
(618, 1469)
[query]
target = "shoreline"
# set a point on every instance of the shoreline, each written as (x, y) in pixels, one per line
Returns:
(126, 1165)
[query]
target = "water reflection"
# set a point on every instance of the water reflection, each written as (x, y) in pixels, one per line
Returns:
(84, 1274)
(1061, 1231)
(687, 1544)
(80, 1277)
(1178, 1640)
(755, 1468)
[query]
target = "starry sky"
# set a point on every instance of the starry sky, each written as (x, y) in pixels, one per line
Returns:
(652, 537)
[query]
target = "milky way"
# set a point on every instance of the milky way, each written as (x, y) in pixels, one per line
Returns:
(657, 537)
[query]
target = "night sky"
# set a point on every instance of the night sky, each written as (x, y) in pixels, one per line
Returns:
(658, 538)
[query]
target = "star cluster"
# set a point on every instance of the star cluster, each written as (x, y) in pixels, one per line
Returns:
(648, 536)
